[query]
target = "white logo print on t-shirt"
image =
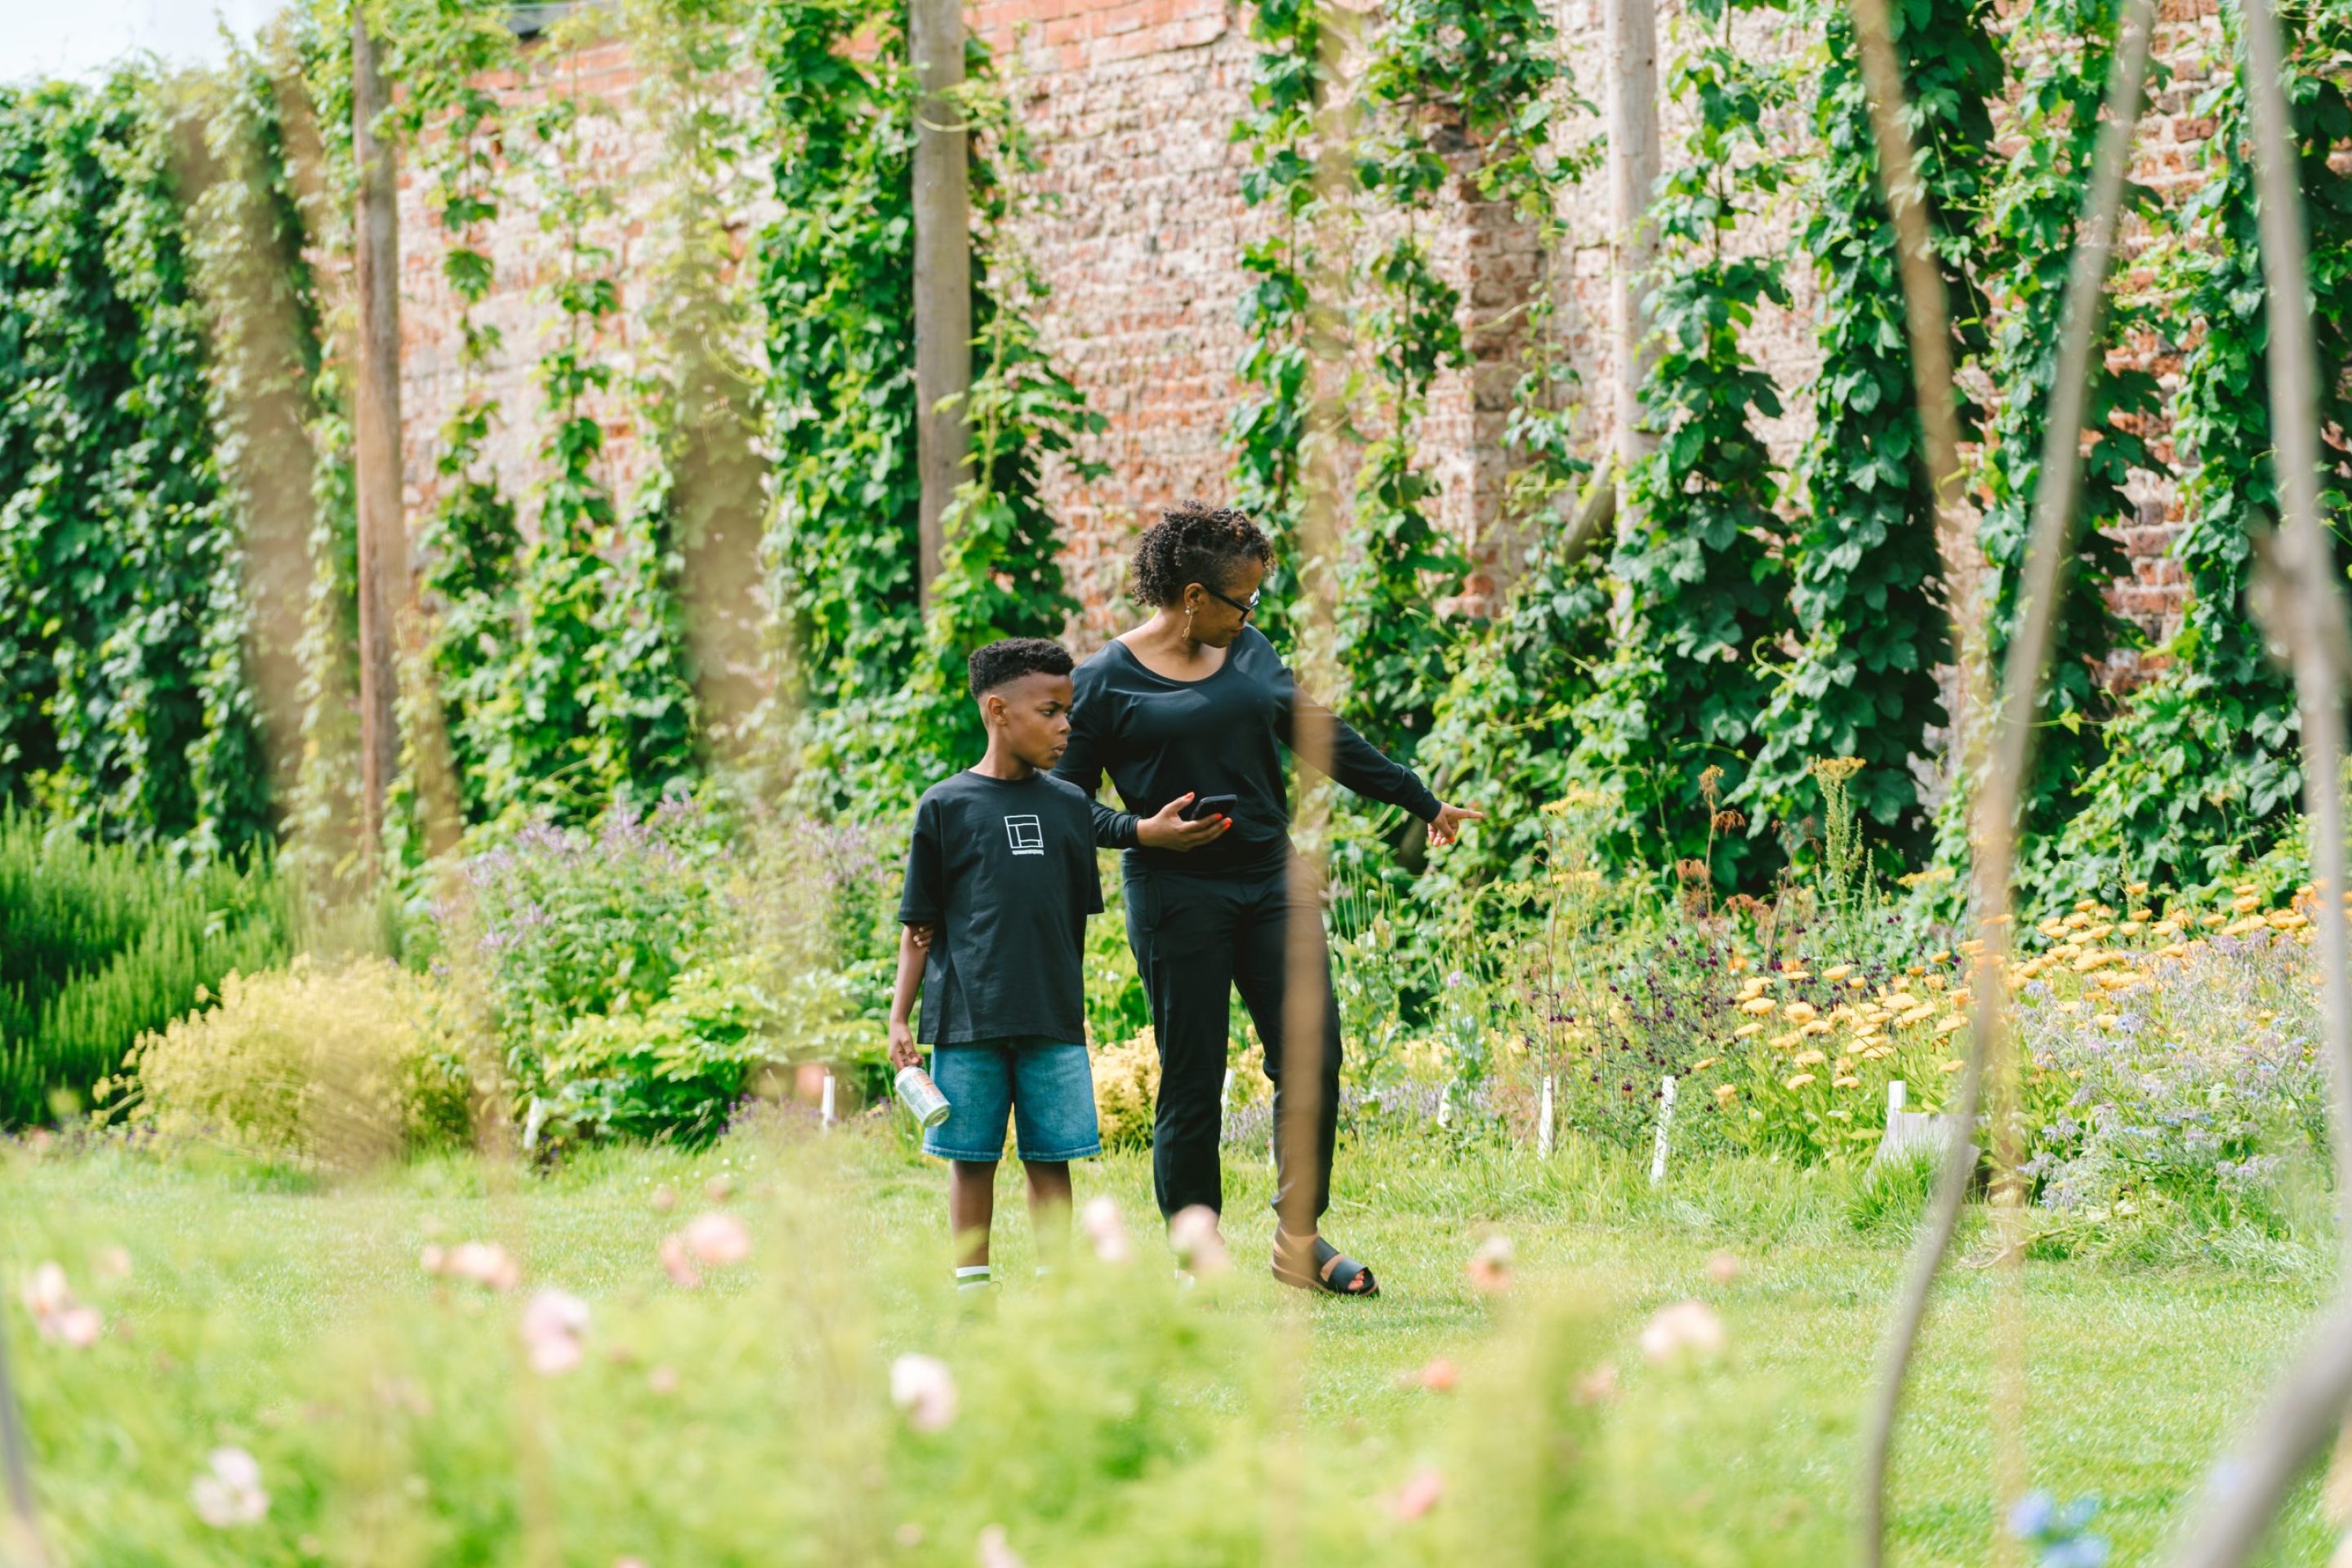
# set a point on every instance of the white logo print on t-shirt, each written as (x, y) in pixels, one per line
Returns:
(1028, 837)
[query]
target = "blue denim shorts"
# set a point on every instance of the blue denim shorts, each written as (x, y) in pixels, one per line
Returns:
(1047, 1085)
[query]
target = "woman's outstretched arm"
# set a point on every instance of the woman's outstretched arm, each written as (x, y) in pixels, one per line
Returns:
(1081, 764)
(1364, 768)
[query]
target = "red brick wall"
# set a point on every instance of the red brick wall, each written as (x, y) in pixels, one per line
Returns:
(1138, 229)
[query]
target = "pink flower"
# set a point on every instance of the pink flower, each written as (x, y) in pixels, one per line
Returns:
(552, 1327)
(1490, 1266)
(1598, 1386)
(1420, 1493)
(58, 1313)
(665, 1198)
(663, 1380)
(1686, 1330)
(433, 1259)
(995, 1551)
(925, 1389)
(1199, 1244)
(1440, 1375)
(719, 1189)
(1101, 1221)
(678, 1263)
(230, 1494)
(717, 1240)
(114, 1263)
(1722, 1268)
(484, 1263)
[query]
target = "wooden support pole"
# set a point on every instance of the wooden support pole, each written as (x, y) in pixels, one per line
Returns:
(376, 441)
(943, 270)
(1631, 36)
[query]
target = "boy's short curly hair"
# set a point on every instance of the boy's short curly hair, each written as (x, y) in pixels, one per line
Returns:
(1004, 662)
(1193, 543)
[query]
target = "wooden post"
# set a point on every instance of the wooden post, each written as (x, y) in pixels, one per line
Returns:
(1631, 35)
(943, 270)
(376, 440)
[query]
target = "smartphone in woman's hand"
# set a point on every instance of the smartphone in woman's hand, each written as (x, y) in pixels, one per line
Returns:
(1209, 806)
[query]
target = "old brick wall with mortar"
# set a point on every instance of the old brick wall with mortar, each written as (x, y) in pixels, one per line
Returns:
(1137, 227)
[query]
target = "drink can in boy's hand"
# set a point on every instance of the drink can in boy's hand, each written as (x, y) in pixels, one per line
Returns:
(922, 1096)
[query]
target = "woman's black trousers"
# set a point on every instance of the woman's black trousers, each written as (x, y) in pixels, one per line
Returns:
(1196, 938)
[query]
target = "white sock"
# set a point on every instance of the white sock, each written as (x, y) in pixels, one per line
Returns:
(973, 1277)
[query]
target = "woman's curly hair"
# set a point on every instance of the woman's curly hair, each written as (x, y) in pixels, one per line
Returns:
(1193, 543)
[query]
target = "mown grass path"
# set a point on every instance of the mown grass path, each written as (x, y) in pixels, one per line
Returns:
(1102, 1412)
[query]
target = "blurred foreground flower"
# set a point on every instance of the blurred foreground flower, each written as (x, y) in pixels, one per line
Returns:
(1420, 1493)
(58, 1314)
(1440, 1375)
(1722, 1268)
(1684, 1330)
(484, 1263)
(1490, 1266)
(2062, 1535)
(1598, 1386)
(230, 1494)
(1101, 1221)
(665, 1198)
(717, 1240)
(923, 1387)
(678, 1263)
(995, 1551)
(1199, 1244)
(552, 1325)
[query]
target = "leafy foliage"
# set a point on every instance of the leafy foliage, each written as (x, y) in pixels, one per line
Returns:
(1683, 698)
(1867, 589)
(2201, 767)
(119, 564)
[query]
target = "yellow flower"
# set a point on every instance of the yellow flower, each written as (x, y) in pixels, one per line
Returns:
(1848, 1082)
(1752, 989)
(1724, 1092)
(1956, 1021)
(1934, 983)
(1748, 1031)
(2108, 1020)
(1950, 1067)
(1798, 972)
(1782, 1042)
(1757, 1005)
(1837, 972)
(1703, 1065)
(1801, 1012)
(1809, 1058)
(1857, 983)
(1918, 1014)
(1817, 1027)
(2211, 922)
(2244, 904)
(1798, 1080)
(2098, 933)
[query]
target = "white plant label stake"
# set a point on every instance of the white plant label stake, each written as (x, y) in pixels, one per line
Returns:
(1666, 1120)
(825, 1108)
(1226, 1107)
(1445, 1105)
(1543, 1123)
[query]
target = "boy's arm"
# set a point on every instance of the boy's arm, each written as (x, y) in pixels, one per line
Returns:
(903, 1052)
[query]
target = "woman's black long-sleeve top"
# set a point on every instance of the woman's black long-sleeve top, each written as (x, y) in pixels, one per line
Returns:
(1223, 734)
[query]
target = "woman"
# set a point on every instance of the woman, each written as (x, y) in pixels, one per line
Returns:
(1191, 704)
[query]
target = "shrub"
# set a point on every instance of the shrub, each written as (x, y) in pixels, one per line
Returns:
(331, 1069)
(1126, 1090)
(102, 942)
(675, 1070)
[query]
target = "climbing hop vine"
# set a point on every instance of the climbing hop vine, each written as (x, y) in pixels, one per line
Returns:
(444, 54)
(2035, 207)
(1867, 585)
(1676, 721)
(2200, 771)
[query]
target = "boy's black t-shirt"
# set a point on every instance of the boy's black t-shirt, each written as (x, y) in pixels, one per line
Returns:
(1005, 870)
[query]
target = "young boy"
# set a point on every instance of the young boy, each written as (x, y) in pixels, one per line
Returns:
(1000, 881)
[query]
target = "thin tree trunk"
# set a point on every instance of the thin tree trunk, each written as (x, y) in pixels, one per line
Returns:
(375, 443)
(1631, 34)
(943, 270)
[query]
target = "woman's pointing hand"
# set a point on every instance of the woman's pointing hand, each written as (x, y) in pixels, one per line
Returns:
(1446, 826)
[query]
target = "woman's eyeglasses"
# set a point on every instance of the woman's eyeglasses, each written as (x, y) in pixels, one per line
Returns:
(1247, 607)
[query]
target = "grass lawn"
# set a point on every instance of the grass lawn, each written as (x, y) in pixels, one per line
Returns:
(1102, 1412)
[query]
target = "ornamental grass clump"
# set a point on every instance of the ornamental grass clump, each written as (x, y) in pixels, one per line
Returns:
(322, 1069)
